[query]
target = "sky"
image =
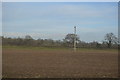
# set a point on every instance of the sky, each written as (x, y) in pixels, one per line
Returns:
(54, 20)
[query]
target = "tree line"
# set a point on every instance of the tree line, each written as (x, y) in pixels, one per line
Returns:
(110, 41)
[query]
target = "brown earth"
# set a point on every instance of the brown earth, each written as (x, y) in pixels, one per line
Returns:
(58, 64)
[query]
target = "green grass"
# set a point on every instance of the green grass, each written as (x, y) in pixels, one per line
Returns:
(97, 50)
(58, 49)
(34, 48)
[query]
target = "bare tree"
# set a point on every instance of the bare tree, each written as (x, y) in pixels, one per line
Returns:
(28, 37)
(69, 39)
(110, 39)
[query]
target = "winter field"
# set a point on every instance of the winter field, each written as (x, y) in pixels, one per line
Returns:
(41, 62)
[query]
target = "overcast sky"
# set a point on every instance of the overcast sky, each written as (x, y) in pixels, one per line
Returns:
(56, 19)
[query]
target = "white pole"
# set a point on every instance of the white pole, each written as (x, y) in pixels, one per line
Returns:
(74, 38)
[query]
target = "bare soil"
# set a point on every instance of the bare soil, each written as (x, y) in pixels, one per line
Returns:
(58, 64)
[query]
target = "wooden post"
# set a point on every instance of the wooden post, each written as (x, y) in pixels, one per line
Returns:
(74, 38)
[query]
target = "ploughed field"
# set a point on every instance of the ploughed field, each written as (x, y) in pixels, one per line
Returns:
(59, 63)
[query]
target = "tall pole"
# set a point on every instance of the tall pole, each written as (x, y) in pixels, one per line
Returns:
(74, 38)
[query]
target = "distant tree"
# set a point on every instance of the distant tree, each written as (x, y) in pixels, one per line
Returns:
(110, 39)
(28, 37)
(48, 42)
(69, 39)
(82, 44)
(29, 41)
(119, 39)
(94, 44)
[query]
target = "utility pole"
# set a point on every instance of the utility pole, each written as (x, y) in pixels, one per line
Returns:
(74, 38)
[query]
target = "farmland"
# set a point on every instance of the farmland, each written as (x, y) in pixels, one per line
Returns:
(41, 62)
